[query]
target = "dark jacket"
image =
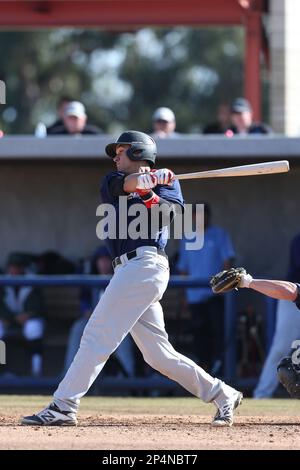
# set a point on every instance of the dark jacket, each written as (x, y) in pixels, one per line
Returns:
(32, 305)
(255, 128)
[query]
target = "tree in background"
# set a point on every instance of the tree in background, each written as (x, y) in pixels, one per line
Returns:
(189, 70)
(120, 77)
(38, 67)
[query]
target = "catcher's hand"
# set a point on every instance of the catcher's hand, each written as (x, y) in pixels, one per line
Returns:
(228, 280)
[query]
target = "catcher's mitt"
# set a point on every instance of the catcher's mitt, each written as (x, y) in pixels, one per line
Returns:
(289, 376)
(226, 281)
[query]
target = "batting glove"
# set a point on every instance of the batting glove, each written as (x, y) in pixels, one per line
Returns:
(246, 280)
(146, 181)
(164, 176)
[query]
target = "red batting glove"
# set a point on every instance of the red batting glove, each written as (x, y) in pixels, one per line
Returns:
(149, 198)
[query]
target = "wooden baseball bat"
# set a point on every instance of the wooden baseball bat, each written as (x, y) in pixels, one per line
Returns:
(267, 168)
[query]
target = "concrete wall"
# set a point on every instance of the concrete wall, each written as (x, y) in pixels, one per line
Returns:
(52, 205)
(49, 205)
(285, 66)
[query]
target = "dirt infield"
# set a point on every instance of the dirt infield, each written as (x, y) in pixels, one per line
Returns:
(153, 423)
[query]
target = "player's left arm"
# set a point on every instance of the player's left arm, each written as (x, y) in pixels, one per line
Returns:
(156, 188)
(281, 290)
(149, 184)
(147, 180)
(236, 278)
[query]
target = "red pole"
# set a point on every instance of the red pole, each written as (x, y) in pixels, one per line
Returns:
(253, 30)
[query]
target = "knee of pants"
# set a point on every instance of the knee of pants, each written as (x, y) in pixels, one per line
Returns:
(160, 362)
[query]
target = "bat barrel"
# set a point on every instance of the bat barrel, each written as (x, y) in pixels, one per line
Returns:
(266, 168)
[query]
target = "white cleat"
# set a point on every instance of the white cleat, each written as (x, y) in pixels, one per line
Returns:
(51, 416)
(224, 415)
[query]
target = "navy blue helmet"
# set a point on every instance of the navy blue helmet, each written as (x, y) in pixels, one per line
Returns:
(142, 146)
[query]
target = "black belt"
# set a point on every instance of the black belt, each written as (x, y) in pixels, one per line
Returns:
(133, 254)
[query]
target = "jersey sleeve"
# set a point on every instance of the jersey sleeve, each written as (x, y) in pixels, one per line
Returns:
(170, 193)
(297, 301)
(112, 186)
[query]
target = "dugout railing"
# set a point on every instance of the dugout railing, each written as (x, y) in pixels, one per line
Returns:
(229, 358)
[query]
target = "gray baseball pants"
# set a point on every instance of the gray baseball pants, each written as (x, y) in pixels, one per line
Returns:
(130, 303)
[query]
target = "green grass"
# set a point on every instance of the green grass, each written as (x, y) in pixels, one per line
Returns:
(162, 406)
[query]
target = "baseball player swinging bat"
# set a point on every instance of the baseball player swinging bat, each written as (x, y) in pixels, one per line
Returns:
(267, 168)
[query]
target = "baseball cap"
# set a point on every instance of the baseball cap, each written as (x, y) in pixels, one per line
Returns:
(163, 114)
(75, 108)
(240, 105)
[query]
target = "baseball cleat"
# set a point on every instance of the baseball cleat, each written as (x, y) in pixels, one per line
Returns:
(51, 416)
(224, 415)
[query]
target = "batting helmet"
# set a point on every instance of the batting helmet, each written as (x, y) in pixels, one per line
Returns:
(142, 147)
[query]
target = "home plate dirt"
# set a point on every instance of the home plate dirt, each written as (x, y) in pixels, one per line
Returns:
(152, 423)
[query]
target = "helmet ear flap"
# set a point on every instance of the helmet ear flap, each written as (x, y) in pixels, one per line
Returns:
(134, 153)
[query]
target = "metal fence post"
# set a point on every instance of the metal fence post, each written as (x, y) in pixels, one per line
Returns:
(270, 321)
(230, 336)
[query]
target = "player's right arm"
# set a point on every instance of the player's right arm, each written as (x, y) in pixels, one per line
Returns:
(148, 180)
(140, 181)
(119, 184)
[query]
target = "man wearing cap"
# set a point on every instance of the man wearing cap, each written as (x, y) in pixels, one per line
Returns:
(242, 119)
(60, 109)
(75, 121)
(164, 124)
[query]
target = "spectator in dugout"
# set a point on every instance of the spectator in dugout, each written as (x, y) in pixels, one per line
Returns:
(206, 308)
(74, 121)
(242, 120)
(21, 313)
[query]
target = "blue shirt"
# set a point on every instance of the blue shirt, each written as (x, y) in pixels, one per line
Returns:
(120, 246)
(204, 263)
